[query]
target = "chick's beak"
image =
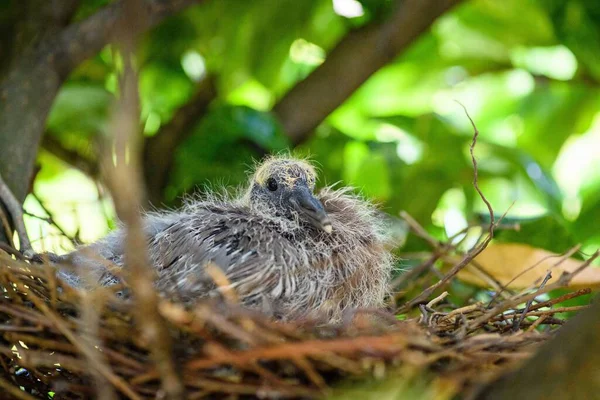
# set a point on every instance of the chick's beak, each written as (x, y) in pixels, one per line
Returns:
(311, 208)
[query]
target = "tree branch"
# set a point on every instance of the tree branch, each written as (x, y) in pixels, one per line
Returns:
(16, 214)
(80, 41)
(30, 87)
(26, 21)
(360, 54)
(159, 150)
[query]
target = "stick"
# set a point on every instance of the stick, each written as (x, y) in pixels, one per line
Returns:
(478, 249)
(517, 322)
(16, 213)
(124, 178)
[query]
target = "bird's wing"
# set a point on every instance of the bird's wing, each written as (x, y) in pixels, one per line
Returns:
(250, 252)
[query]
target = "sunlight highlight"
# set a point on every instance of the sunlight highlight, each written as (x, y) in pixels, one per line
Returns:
(577, 167)
(193, 65)
(305, 52)
(152, 123)
(520, 83)
(409, 149)
(348, 8)
(556, 62)
(252, 94)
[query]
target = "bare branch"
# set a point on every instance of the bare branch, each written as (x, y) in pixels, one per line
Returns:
(562, 282)
(80, 41)
(91, 304)
(470, 256)
(26, 21)
(16, 213)
(85, 349)
(517, 322)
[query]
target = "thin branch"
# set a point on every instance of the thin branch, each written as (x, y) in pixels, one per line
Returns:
(6, 229)
(87, 351)
(517, 322)
(415, 272)
(16, 213)
(420, 231)
(562, 259)
(476, 172)
(50, 219)
(560, 299)
(562, 282)
(91, 304)
(159, 150)
(9, 250)
(82, 40)
(475, 251)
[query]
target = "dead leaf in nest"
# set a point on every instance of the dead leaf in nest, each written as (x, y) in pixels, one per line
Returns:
(520, 266)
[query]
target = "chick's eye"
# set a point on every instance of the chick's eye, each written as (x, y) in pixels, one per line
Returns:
(272, 184)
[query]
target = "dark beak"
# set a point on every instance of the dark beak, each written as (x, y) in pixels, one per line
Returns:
(309, 207)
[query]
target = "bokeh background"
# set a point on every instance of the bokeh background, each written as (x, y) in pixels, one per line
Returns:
(527, 71)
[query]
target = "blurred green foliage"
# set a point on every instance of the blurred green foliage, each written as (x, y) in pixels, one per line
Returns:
(527, 71)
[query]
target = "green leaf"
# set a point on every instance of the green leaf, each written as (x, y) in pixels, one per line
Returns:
(236, 122)
(587, 224)
(81, 108)
(167, 42)
(577, 26)
(163, 88)
(251, 39)
(551, 114)
(502, 21)
(547, 232)
(224, 144)
(367, 171)
(535, 174)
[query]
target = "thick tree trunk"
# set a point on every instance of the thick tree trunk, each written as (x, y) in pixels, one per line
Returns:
(32, 83)
(50, 52)
(26, 98)
(28, 87)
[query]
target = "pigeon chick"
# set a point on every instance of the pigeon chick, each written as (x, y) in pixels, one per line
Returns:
(282, 248)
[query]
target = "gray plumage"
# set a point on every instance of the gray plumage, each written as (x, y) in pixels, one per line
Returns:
(282, 248)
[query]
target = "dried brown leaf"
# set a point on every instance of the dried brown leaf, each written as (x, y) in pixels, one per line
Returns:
(519, 266)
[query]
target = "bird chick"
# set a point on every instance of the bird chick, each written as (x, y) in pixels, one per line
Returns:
(283, 249)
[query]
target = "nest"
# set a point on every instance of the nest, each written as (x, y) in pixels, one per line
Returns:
(69, 344)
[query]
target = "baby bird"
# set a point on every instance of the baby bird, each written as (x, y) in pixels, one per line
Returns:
(283, 249)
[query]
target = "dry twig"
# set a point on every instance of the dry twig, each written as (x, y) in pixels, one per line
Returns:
(475, 251)
(16, 213)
